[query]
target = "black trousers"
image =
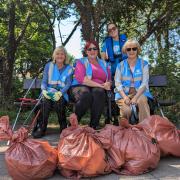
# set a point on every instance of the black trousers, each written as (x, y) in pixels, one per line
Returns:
(92, 98)
(45, 108)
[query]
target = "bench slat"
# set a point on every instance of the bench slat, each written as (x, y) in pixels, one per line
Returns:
(36, 84)
(154, 81)
(158, 81)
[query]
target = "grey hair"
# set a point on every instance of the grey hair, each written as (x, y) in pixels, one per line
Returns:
(131, 41)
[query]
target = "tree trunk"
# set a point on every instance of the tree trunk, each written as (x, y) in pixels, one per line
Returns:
(52, 36)
(85, 11)
(10, 58)
(12, 44)
(1, 80)
(90, 18)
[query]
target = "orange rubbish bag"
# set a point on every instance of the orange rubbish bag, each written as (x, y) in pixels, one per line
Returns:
(165, 132)
(28, 159)
(140, 151)
(5, 130)
(107, 137)
(130, 151)
(79, 155)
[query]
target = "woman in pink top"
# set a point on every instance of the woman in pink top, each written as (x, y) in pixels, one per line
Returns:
(90, 82)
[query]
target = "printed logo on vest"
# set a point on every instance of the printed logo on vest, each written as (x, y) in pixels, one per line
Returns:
(138, 71)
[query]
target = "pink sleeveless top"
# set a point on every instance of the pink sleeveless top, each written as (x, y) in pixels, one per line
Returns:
(98, 74)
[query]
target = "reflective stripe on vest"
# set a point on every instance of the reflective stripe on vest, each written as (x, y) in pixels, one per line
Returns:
(126, 76)
(60, 79)
(59, 82)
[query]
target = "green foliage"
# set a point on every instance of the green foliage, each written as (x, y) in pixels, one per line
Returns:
(17, 88)
(71, 59)
(36, 47)
(154, 23)
(53, 119)
(164, 61)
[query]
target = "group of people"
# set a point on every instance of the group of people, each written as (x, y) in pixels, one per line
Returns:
(120, 69)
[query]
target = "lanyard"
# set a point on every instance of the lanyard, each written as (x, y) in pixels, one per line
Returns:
(132, 76)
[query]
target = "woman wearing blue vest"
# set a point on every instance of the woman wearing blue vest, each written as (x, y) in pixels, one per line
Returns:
(57, 78)
(112, 47)
(90, 82)
(111, 51)
(132, 82)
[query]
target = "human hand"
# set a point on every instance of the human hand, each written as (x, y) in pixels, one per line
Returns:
(134, 100)
(127, 100)
(107, 85)
(45, 94)
(57, 95)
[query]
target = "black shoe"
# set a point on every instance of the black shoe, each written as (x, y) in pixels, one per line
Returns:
(97, 128)
(38, 133)
(116, 122)
(107, 121)
(61, 129)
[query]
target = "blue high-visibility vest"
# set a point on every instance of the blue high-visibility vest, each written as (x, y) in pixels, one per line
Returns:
(56, 80)
(126, 77)
(109, 46)
(112, 58)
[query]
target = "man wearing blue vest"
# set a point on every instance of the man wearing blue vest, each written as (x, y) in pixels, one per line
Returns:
(112, 46)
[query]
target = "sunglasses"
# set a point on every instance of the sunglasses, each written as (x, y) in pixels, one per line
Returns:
(129, 49)
(112, 29)
(94, 48)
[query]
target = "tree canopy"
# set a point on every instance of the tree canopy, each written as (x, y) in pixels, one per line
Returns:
(27, 34)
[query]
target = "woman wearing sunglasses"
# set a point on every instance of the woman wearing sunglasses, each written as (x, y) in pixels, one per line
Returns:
(90, 82)
(132, 82)
(112, 47)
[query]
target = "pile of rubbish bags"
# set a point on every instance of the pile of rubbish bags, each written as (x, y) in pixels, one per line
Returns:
(83, 152)
(130, 151)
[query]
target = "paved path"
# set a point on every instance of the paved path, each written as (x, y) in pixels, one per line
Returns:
(168, 168)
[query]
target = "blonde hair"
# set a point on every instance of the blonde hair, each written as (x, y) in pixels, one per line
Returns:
(131, 41)
(60, 49)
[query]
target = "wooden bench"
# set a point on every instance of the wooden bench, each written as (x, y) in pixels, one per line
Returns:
(28, 82)
(158, 81)
(32, 84)
(28, 102)
(155, 81)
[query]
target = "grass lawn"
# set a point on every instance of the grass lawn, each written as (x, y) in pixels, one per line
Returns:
(52, 121)
(85, 120)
